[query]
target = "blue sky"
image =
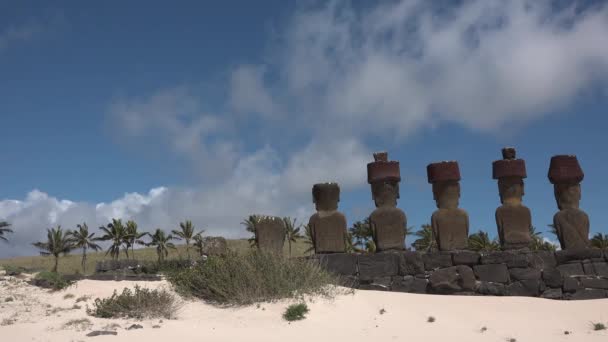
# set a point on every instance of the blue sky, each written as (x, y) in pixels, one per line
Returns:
(211, 112)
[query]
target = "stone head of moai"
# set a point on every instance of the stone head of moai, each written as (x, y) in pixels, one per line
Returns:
(270, 234)
(510, 173)
(566, 174)
(384, 177)
(326, 196)
(445, 178)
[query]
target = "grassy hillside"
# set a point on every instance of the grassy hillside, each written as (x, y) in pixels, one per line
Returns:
(70, 264)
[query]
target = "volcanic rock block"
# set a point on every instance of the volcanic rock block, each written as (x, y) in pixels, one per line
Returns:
(468, 258)
(528, 288)
(594, 283)
(542, 259)
(452, 279)
(491, 289)
(571, 284)
(584, 294)
(328, 225)
(410, 263)
(377, 265)
(510, 258)
(339, 263)
(524, 274)
(270, 234)
(436, 260)
(568, 270)
(552, 294)
(409, 284)
(577, 254)
(497, 273)
(552, 277)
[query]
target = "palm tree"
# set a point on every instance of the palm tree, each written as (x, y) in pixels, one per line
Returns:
(250, 223)
(292, 233)
(480, 242)
(115, 232)
(538, 243)
(600, 241)
(161, 241)
(57, 243)
(4, 228)
(426, 241)
(82, 239)
(199, 244)
(361, 233)
(186, 233)
(133, 236)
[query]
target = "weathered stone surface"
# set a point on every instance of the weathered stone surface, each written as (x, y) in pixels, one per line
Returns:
(378, 265)
(410, 263)
(409, 283)
(510, 258)
(436, 260)
(214, 245)
(564, 256)
(552, 294)
(270, 234)
(327, 225)
(497, 273)
(491, 289)
(388, 222)
(568, 270)
(552, 277)
(542, 259)
(594, 283)
(587, 294)
(524, 273)
(600, 268)
(528, 288)
(468, 258)
(452, 279)
(571, 284)
(339, 263)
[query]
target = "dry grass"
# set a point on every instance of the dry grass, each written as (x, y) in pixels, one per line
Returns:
(70, 264)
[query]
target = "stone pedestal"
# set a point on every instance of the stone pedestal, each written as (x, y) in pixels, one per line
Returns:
(270, 234)
(387, 222)
(571, 223)
(513, 219)
(328, 225)
(450, 224)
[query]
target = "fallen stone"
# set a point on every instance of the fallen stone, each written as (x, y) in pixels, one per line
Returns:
(101, 333)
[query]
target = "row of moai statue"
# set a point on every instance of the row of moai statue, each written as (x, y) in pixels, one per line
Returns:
(450, 224)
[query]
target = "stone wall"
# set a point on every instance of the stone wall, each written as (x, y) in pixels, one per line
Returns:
(581, 274)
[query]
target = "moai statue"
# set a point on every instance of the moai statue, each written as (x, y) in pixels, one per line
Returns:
(513, 219)
(571, 223)
(270, 234)
(387, 221)
(450, 224)
(328, 225)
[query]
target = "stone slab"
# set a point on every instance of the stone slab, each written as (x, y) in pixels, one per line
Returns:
(497, 273)
(377, 265)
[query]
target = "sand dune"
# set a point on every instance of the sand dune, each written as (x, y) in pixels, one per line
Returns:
(37, 315)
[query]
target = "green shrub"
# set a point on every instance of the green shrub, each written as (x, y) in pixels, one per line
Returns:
(598, 326)
(255, 277)
(138, 303)
(51, 280)
(295, 312)
(12, 270)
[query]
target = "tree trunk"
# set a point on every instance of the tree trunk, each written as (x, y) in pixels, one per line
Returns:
(56, 263)
(188, 248)
(289, 242)
(84, 260)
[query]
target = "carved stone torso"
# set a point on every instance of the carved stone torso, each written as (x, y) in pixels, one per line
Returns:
(514, 222)
(450, 228)
(329, 231)
(270, 235)
(572, 226)
(388, 228)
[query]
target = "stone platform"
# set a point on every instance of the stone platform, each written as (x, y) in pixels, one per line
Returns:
(569, 275)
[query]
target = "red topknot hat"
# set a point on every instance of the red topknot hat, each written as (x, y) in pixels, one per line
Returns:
(565, 169)
(382, 170)
(443, 171)
(509, 166)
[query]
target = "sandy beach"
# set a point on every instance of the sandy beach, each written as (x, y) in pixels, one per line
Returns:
(36, 314)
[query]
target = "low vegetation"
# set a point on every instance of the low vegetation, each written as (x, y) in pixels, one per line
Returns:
(598, 326)
(295, 312)
(254, 277)
(430, 319)
(51, 280)
(138, 303)
(78, 324)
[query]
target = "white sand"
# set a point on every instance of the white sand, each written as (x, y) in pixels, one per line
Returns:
(354, 317)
